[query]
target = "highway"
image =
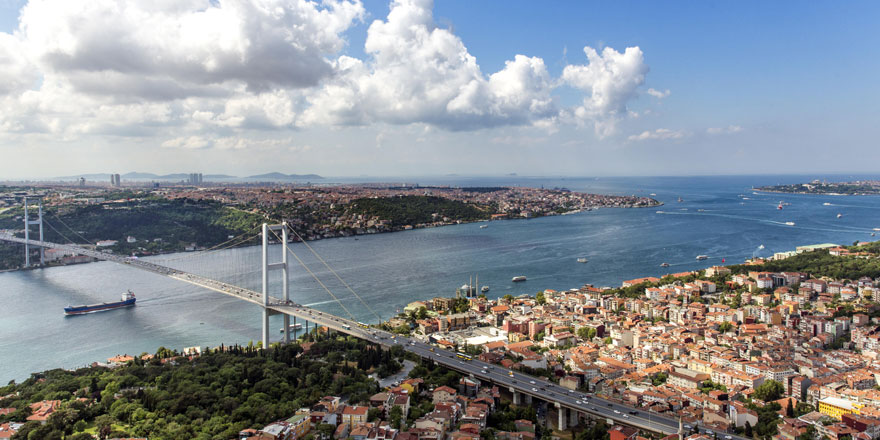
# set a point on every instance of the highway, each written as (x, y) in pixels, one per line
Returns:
(514, 381)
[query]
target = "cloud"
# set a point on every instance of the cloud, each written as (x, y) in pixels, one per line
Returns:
(659, 134)
(168, 49)
(203, 73)
(730, 129)
(611, 80)
(188, 143)
(17, 73)
(420, 73)
(659, 94)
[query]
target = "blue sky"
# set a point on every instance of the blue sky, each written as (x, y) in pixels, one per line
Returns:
(708, 87)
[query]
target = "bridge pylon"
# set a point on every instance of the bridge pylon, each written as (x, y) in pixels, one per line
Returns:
(27, 233)
(285, 280)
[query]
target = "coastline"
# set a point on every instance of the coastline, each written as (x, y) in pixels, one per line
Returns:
(348, 234)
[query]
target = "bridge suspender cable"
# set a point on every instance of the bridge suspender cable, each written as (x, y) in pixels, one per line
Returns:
(58, 232)
(337, 276)
(232, 242)
(71, 230)
(303, 264)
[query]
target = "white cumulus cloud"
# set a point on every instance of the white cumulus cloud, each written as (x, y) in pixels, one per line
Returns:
(659, 134)
(611, 78)
(418, 72)
(167, 49)
(730, 129)
(659, 94)
(212, 73)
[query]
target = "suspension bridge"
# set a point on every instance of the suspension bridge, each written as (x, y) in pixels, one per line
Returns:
(570, 405)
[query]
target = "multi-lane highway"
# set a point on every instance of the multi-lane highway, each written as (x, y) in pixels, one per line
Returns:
(575, 402)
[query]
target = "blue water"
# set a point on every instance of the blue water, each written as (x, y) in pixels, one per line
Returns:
(391, 270)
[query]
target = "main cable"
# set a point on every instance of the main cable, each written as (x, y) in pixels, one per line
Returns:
(303, 264)
(337, 275)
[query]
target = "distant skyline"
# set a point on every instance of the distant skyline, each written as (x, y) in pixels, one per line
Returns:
(414, 88)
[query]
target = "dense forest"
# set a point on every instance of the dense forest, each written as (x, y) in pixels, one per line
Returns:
(412, 210)
(820, 263)
(213, 396)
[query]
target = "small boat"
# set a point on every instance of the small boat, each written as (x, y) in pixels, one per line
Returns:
(653, 194)
(779, 206)
(826, 204)
(484, 289)
(873, 234)
(702, 257)
(839, 215)
(680, 200)
(700, 210)
(660, 212)
(128, 299)
(518, 278)
(746, 198)
(664, 264)
(877, 229)
(789, 223)
(484, 226)
(292, 327)
(582, 260)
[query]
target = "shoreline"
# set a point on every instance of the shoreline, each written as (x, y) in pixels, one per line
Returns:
(770, 191)
(376, 232)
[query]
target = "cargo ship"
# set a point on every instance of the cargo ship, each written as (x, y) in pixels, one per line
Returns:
(128, 299)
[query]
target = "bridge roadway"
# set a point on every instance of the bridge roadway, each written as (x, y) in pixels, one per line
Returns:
(514, 381)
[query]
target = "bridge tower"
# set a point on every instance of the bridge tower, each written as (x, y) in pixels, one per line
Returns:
(27, 233)
(285, 280)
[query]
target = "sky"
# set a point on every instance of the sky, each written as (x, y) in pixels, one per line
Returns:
(415, 87)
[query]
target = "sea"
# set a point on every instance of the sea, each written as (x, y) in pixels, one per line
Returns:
(372, 277)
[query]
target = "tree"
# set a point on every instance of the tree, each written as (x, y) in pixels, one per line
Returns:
(507, 298)
(373, 414)
(789, 410)
(422, 313)
(326, 429)
(394, 416)
(769, 390)
(748, 429)
(104, 425)
(725, 327)
(539, 298)
(582, 332)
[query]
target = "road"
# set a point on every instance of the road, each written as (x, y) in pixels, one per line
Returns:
(512, 380)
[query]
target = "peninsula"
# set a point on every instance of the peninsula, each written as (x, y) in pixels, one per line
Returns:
(854, 188)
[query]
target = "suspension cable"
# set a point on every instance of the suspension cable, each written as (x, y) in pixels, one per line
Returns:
(337, 275)
(71, 230)
(303, 264)
(58, 232)
(232, 242)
